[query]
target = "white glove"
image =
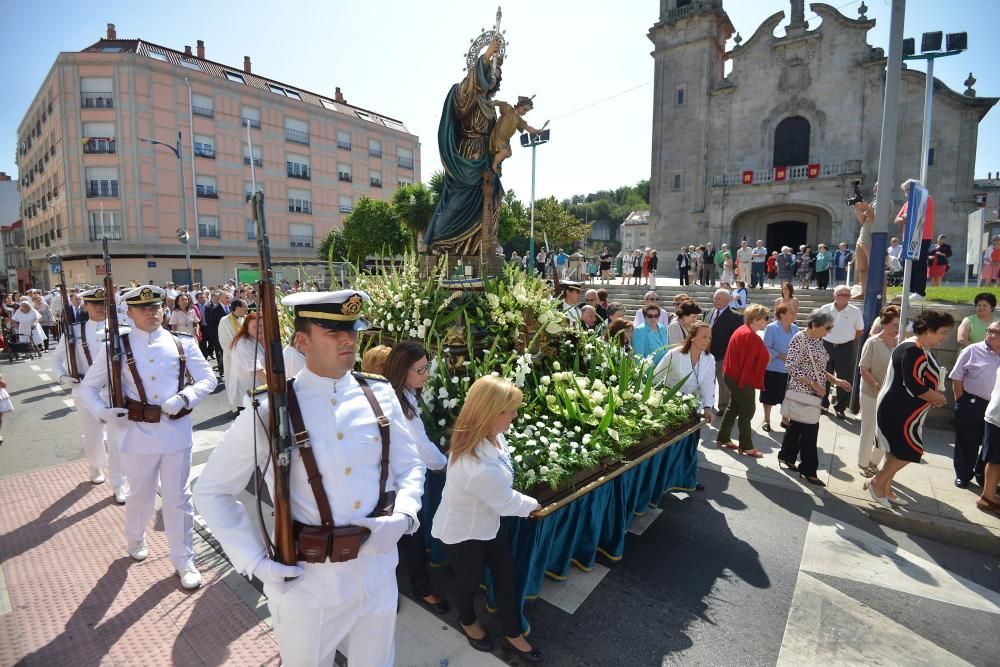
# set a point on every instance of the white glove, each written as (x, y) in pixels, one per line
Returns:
(386, 531)
(173, 405)
(272, 571)
(113, 416)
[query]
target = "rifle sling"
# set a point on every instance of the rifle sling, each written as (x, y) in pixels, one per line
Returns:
(383, 429)
(83, 344)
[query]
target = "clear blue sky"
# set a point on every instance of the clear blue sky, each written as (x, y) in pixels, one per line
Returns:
(587, 60)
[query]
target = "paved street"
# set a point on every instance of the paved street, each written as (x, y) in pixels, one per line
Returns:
(753, 571)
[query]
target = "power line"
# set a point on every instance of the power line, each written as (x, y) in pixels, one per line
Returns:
(603, 100)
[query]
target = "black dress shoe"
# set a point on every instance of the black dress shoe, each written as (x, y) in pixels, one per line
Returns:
(484, 644)
(787, 465)
(960, 484)
(699, 487)
(440, 607)
(815, 481)
(534, 655)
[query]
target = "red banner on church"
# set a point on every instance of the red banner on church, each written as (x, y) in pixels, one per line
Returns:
(812, 171)
(748, 177)
(780, 173)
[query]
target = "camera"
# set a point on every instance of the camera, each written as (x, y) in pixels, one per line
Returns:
(858, 197)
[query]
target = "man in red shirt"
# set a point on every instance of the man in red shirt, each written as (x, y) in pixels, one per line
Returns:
(918, 278)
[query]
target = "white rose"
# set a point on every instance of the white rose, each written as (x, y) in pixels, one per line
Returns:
(441, 422)
(392, 327)
(544, 470)
(518, 458)
(454, 380)
(586, 438)
(556, 366)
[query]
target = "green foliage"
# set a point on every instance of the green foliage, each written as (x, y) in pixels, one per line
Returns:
(373, 228)
(437, 184)
(554, 221)
(333, 248)
(962, 295)
(515, 219)
(413, 205)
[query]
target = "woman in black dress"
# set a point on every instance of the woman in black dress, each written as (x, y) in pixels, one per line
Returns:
(910, 389)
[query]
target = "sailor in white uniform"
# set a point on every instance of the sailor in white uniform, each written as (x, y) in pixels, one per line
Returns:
(88, 340)
(352, 600)
(168, 379)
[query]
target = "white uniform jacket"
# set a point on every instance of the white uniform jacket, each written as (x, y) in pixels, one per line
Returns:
(95, 342)
(158, 364)
(431, 456)
(348, 449)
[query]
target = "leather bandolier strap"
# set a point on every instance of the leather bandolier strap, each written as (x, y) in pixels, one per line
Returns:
(143, 403)
(84, 345)
(383, 429)
(300, 437)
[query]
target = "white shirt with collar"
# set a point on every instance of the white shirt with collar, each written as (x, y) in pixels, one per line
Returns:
(676, 365)
(347, 446)
(431, 456)
(477, 492)
(96, 332)
(158, 364)
(846, 323)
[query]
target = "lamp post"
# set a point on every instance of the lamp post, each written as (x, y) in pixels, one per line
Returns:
(533, 141)
(930, 50)
(182, 233)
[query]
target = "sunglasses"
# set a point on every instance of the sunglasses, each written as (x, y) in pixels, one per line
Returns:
(652, 314)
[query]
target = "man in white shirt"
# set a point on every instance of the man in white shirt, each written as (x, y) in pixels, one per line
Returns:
(343, 593)
(758, 268)
(744, 258)
(229, 326)
(841, 344)
(650, 299)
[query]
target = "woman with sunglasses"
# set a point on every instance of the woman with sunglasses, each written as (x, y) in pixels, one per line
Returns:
(406, 369)
(650, 340)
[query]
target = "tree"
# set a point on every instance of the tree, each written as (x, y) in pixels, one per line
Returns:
(372, 228)
(413, 205)
(515, 219)
(437, 184)
(333, 248)
(561, 227)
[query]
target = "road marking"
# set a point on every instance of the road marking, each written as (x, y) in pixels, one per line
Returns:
(643, 521)
(45, 377)
(574, 590)
(35, 367)
(69, 402)
(55, 389)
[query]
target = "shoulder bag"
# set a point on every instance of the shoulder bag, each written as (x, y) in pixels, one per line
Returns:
(802, 407)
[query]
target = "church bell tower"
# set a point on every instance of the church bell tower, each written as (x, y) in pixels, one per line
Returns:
(689, 54)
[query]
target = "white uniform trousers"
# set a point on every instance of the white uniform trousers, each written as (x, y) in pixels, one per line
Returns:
(98, 454)
(867, 452)
(173, 471)
(309, 637)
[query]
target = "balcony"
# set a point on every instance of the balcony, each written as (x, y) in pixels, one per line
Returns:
(405, 163)
(300, 241)
(795, 173)
(109, 230)
(375, 152)
(208, 231)
(97, 101)
(95, 146)
(253, 123)
(346, 208)
(346, 145)
(257, 161)
(201, 150)
(298, 170)
(207, 191)
(102, 189)
(297, 136)
(300, 206)
(344, 176)
(375, 182)
(203, 111)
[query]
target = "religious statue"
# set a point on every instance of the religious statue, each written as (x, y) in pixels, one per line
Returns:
(472, 143)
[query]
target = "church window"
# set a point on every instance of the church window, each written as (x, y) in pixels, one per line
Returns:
(791, 142)
(930, 157)
(679, 99)
(677, 181)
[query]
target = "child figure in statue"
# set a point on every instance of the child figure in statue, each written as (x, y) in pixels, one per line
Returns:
(510, 120)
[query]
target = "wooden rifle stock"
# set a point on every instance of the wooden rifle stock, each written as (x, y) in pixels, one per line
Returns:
(279, 427)
(112, 338)
(67, 326)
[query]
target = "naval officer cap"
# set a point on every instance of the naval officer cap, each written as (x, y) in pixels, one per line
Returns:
(571, 286)
(340, 310)
(94, 295)
(145, 295)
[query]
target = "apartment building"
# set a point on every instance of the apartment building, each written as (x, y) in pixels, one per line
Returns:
(88, 169)
(16, 278)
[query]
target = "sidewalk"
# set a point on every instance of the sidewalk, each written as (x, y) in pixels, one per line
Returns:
(937, 510)
(69, 594)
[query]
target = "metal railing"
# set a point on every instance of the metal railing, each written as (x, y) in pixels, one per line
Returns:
(300, 241)
(346, 208)
(97, 101)
(203, 111)
(346, 145)
(299, 206)
(257, 161)
(253, 123)
(111, 231)
(375, 182)
(207, 191)
(105, 188)
(97, 146)
(344, 176)
(298, 170)
(203, 150)
(208, 231)
(372, 152)
(793, 173)
(405, 163)
(297, 136)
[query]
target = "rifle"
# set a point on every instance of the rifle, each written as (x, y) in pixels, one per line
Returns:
(67, 326)
(279, 427)
(112, 338)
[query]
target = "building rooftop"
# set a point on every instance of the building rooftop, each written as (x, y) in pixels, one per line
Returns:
(637, 218)
(196, 61)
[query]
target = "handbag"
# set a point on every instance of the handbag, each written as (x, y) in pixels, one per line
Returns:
(802, 407)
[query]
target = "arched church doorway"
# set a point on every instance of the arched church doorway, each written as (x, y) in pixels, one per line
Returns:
(790, 233)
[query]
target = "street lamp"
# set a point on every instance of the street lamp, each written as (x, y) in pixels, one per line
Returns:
(930, 50)
(182, 233)
(533, 141)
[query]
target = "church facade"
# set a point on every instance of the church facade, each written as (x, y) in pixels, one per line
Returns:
(770, 151)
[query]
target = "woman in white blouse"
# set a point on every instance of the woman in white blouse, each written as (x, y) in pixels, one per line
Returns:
(29, 329)
(692, 359)
(245, 369)
(406, 369)
(686, 313)
(478, 491)
(183, 318)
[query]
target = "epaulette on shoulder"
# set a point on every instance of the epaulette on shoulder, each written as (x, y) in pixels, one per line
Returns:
(259, 389)
(370, 376)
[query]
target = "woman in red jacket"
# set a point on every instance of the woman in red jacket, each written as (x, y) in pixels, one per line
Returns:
(743, 370)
